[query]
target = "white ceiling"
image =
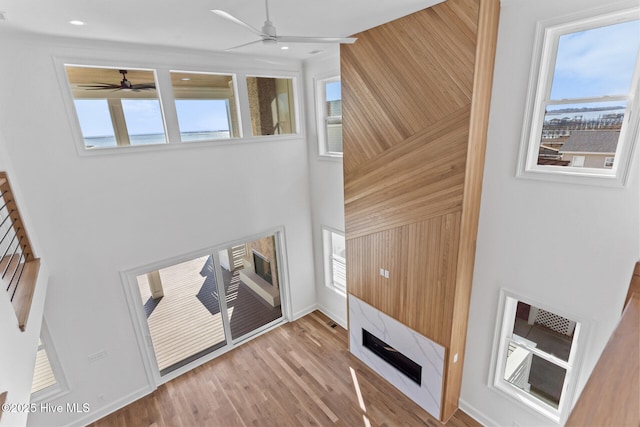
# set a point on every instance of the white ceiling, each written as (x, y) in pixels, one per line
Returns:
(190, 24)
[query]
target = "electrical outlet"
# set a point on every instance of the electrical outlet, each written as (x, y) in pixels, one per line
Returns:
(455, 358)
(382, 272)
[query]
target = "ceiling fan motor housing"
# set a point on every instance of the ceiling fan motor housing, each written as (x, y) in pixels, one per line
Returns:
(270, 31)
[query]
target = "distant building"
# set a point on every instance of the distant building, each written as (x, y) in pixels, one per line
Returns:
(591, 148)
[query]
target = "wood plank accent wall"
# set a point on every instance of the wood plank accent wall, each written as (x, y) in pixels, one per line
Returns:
(415, 96)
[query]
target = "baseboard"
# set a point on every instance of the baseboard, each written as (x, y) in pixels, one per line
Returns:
(331, 315)
(301, 313)
(477, 415)
(94, 416)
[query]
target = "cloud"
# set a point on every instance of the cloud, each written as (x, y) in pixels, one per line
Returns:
(596, 62)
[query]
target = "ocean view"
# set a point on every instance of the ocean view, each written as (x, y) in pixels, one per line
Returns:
(154, 138)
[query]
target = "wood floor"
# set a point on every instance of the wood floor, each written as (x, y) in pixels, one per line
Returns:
(299, 374)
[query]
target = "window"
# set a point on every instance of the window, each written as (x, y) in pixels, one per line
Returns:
(578, 161)
(48, 380)
(271, 105)
(116, 107)
(329, 107)
(536, 356)
(205, 105)
(608, 162)
(581, 106)
(130, 106)
(335, 272)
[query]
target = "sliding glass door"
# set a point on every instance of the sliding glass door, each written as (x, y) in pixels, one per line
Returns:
(183, 311)
(198, 306)
(251, 286)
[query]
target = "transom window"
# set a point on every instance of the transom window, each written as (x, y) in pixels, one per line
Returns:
(116, 107)
(335, 271)
(124, 106)
(271, 105)
(581, 114)
(205, 105)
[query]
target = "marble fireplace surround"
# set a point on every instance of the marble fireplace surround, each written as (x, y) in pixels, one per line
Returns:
(416, 347)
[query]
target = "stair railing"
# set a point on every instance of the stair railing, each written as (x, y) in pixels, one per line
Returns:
(18, 264)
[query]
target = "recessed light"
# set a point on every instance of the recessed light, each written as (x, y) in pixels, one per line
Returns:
(284, 48)
(185, 79)
(76, 22)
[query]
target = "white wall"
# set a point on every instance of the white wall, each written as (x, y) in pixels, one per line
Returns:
(326, 185)
(96, 216)
(18, 349)
(572, 247)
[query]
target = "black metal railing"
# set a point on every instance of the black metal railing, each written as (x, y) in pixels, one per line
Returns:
(17, 255)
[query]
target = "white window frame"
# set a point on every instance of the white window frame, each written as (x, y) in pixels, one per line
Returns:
(167, 102)
(328, 260)
(503, 335)
(60, 388)
(542, 72)
(322, 118)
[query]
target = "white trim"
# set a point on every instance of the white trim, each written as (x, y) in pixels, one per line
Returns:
(541, 75)
(61, 387)
(327, 257)
(506, 311)
(476, 414)
(167, 103)
(94, 415)
(320, 85)
(332, 315)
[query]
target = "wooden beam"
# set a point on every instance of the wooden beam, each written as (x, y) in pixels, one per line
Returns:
(612, 394)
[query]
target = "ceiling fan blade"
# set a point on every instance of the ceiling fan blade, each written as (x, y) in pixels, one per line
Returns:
(298, 39)
(99, 86)
(243, 45)
(235, 20)
(143, 86)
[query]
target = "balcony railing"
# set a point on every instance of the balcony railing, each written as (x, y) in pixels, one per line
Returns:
(18, 264)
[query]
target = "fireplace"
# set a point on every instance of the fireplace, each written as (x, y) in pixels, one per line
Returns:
(392, 356)
(411, 362)
(262, 267)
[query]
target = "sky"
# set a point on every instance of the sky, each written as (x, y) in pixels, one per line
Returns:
(143, 116)
(596, 62)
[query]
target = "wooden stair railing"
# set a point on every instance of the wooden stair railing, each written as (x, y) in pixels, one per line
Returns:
(18, 264)
(3, 398)
(611, 397)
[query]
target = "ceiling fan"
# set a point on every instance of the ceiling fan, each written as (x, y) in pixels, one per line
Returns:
(125, 84)
(268, 33)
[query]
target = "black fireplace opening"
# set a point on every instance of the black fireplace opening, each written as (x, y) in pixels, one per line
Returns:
(392, 356)
(262, 267)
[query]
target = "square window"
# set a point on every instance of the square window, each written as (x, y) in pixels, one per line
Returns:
(581, 107)
(271, 106)
(206, 106)
(116, 107)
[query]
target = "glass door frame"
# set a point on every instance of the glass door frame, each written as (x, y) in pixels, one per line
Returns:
(139, 318)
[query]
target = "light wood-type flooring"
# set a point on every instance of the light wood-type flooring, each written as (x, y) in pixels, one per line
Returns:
(298, 374)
